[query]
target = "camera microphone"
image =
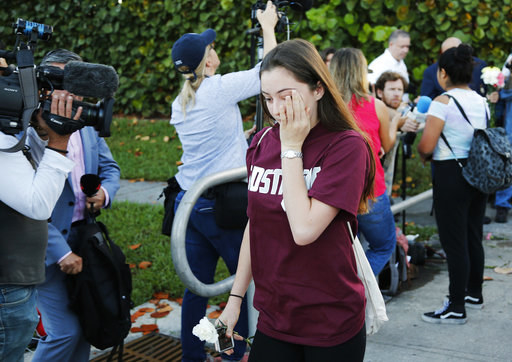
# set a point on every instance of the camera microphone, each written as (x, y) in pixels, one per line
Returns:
(90, 80)
(83, 79)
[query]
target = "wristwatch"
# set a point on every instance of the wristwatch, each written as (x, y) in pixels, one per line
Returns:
(291, 154)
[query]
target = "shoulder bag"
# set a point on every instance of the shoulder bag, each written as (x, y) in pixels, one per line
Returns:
(375, 305)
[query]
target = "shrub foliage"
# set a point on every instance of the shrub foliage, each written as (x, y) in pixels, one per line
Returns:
(136, 36)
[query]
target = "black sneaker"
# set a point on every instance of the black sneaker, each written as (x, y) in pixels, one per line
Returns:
(445, 315)
(501, 214)
(474, 303)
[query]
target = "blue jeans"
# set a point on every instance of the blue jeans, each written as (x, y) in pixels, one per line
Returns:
(503, 198)
(378, 228)
(205, 242)
(18, 320)
(65, 340)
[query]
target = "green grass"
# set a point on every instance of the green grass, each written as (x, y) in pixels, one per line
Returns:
(145, 149)
(130, 224)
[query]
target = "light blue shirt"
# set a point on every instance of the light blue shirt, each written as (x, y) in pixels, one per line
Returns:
(211, 132)
(456, 129)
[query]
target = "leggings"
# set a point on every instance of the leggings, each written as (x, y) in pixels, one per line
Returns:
(459, 210)
(267, 349)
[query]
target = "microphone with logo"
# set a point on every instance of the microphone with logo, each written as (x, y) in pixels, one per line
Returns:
(90, 185)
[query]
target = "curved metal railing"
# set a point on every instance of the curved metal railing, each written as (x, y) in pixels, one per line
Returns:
(179, 229)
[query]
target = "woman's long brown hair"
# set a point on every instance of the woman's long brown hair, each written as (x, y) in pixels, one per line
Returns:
(303, 60)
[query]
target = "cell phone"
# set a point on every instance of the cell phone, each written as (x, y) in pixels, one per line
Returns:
(223, 343)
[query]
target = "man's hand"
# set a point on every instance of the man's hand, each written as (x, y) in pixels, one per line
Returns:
(97, 200)
(494, 97)
(71, 264)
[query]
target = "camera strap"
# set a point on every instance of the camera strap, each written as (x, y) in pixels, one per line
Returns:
(29, 91)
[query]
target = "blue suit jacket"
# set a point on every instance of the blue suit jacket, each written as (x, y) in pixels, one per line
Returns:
(97, 160)
(430, 86)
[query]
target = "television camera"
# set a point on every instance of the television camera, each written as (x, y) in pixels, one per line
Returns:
(25, 88)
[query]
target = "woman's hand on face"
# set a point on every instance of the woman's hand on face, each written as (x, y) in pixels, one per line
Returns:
(294, 122)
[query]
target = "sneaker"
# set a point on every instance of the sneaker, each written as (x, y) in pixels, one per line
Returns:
(469, 302)
(445, 315)
(501, 214)
(474, 303)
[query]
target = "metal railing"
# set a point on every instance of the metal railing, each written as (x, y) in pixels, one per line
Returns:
(179, 229)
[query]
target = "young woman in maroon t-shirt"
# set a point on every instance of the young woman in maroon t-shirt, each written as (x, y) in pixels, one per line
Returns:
(309, 175)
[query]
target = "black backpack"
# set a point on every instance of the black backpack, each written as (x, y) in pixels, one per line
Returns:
(100, 293)
(489, 164)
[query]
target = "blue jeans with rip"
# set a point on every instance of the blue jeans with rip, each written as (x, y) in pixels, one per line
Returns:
(205, 243)
(18, 320)
(378, 228)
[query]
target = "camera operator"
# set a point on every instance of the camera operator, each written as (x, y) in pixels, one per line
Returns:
(209, 124)
(91, 155)
(28, 195)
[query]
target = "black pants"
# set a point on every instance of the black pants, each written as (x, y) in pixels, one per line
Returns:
(459, 210)
(267, 349)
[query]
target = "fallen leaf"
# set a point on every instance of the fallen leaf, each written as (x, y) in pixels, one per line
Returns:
(165, 309)
(222, 305)
(179, 147)
(138, 136)
(146, 310)
(162, 305)
(149, 332)
(501, 270)
(121, 143)
(488, 278)
(136, 315)
(145, 138)
(132, 265)
(135, 246)
(408, 179)
(152, 121)
(179, 300)
(215, 314)
(145, 264)
(159, 314)
(154, 301)
(179, 163)
(161, 295)
(167, 138)
(138, 153)
(145, 328)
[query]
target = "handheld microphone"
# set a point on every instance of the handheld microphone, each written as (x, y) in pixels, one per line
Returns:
(421, 109)
(90, 184)
(84, 79)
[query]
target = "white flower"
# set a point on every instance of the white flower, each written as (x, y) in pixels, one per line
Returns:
(205, 331)
(490, 75)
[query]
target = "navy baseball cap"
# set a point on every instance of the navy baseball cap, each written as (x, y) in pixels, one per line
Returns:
(188, 51)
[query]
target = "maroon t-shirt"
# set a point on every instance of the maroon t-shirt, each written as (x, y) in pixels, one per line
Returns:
(311, 294)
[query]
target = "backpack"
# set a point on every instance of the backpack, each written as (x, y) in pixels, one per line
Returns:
(100, 293)
(489, 164)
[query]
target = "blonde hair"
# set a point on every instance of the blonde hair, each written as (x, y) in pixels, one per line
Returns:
(349, 70)
(192, 82)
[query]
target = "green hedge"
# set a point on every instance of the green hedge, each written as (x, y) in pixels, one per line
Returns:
(136, 36)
